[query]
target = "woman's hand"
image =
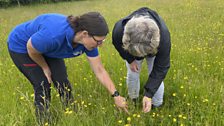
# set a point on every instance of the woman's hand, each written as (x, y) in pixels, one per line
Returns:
(147, 104)
(121, 103)
(134, 66)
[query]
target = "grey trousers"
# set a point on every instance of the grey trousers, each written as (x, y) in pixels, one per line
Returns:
(133, 82)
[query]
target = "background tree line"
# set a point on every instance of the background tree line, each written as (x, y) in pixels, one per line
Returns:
(7, 3)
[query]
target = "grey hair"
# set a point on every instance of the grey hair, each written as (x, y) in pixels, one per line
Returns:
(141, 36)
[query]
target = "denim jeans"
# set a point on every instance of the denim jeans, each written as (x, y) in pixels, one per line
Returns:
(133, 82)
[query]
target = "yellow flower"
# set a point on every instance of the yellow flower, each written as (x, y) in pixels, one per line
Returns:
(120, 121)
(127, 125)
(180, 116)
(134, 115)
(184, 117)
(21, 98)
(32, 95)
(174, 94)
(182, 87)
(57, 95)
(46, 124)
(174, 119)
(138, 116)
(129, 119)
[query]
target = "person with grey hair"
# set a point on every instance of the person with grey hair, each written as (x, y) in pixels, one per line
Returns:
(144, 35)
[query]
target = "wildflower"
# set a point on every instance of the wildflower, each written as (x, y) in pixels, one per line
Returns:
(57, 95)
(185, 78)
(69, 112)
(180, 116)
(120, 84)
(127, 125)
(89, 104)
(174, 94)
(174, 119)
(129, 119)
(181, 124)
(46, 124)
(185, 95)
(32, 95)
(169, 115)
(120, 121)
(21, 98)
(83, 102)
(134, 115)
(182, 87)
(138, 116)
(184, 117)
(188, 104)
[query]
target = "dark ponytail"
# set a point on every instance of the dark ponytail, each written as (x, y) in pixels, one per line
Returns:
(93, 22)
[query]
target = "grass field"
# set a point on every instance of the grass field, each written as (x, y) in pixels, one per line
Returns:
(194, 86)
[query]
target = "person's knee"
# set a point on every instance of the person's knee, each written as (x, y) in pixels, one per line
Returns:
(157, 103)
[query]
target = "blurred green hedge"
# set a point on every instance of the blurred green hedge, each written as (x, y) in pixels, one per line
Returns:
(7, 3)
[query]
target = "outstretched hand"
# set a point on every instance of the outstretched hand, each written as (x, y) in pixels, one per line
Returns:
(121, 103)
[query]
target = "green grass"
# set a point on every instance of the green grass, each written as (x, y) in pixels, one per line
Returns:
(194, 91)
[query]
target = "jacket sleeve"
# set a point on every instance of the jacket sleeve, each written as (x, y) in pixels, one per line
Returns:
(160, 67)
(117, 35)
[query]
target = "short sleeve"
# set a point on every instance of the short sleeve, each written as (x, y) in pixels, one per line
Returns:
(92, 53)
(42, 41)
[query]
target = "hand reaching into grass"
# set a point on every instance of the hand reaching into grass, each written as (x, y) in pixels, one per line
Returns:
(121, 103)
(147, 104)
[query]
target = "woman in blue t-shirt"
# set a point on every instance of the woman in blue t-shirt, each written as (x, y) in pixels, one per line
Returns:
(38, 47)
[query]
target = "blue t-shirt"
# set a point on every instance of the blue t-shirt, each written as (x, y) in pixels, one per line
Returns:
(50, 34)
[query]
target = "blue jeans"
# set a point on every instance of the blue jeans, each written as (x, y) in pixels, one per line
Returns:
(133, 82)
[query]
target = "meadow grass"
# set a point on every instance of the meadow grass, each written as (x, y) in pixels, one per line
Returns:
(193, 87)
